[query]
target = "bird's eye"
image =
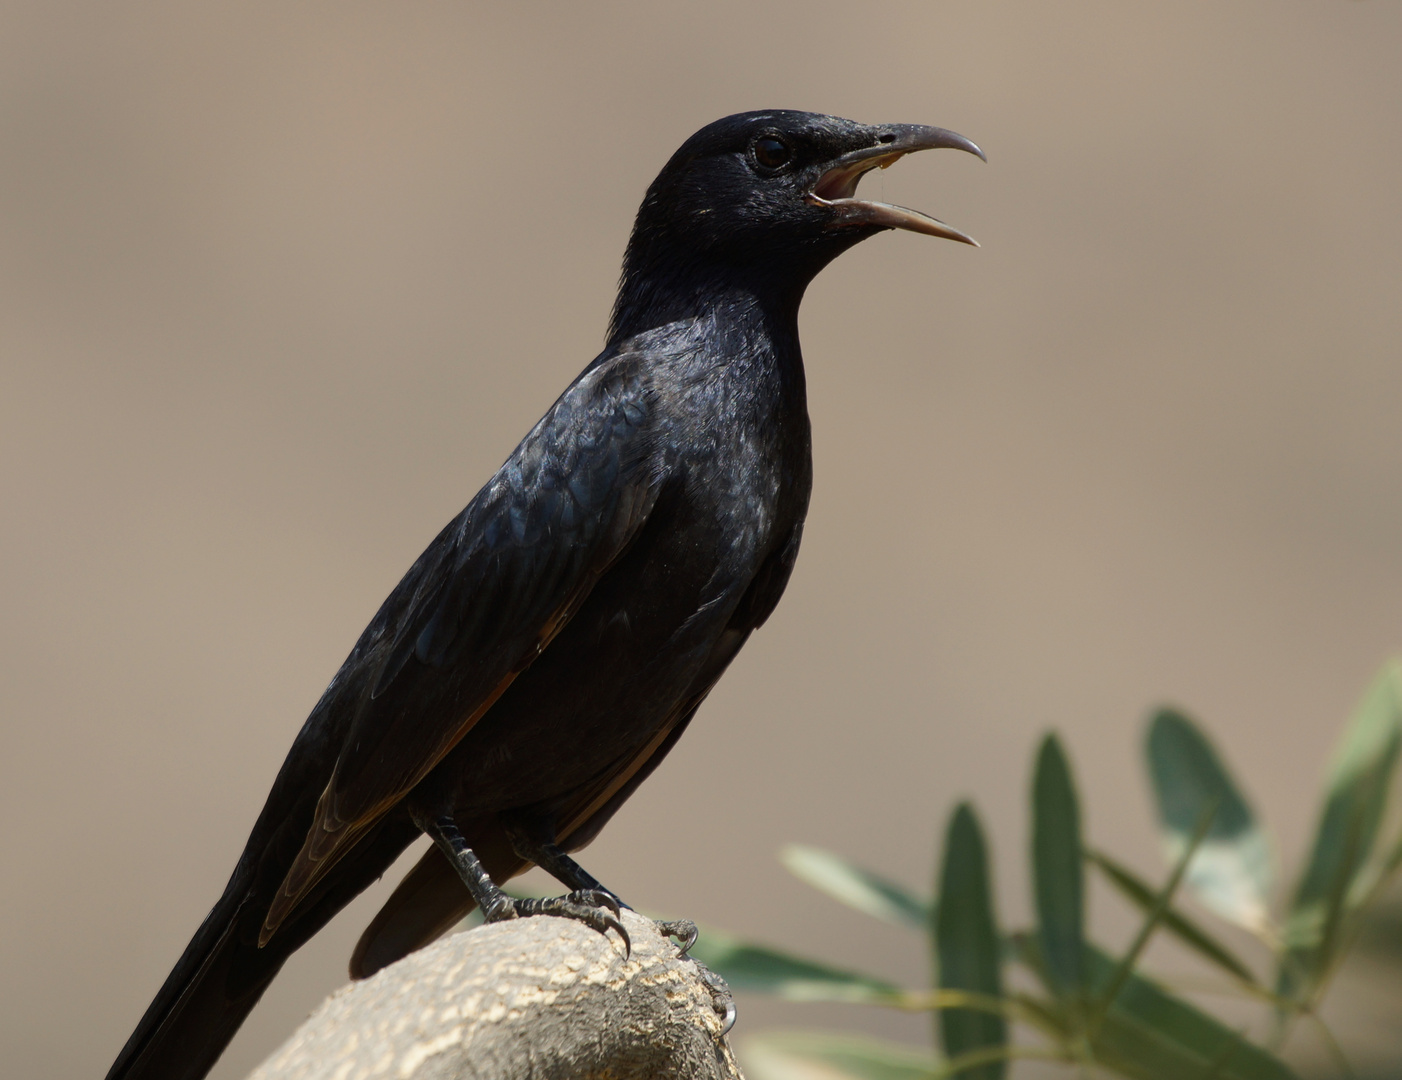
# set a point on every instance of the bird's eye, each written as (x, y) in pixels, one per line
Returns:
(772, 152)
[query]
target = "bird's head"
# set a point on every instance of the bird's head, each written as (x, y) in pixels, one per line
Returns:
(771, 195)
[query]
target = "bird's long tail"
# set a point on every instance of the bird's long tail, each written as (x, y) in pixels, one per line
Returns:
(223, 972)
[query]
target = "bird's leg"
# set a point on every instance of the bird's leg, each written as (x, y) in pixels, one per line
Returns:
(597, 909)
(535, 842)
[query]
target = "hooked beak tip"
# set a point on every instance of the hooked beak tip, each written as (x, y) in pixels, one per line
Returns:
(836, 188)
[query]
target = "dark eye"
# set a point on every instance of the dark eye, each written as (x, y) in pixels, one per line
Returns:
(772, 152)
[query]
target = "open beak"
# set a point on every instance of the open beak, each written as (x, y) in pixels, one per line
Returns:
(836, 188)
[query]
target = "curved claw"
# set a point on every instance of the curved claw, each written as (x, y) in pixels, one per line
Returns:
(597, 898)
(627, 941)
(730, 1015)
(597, 917)
(596, 909)
(721, 997)
(603, 922)
(600, 909)
(683, 929)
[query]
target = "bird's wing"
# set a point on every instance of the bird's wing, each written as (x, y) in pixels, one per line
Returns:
(431, 898)
(483, 601)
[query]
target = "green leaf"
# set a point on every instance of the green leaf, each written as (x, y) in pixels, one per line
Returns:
(1231, 873)
(1357, 786)
(1141, 894)
(768, 971)
(1149, 1034)
(821, 1056)
(868, 893)
(1124, 968)
(968, 950)
(1058, 880)
(1380, 933)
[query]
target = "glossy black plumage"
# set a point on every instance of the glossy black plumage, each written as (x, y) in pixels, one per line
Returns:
(552, 643)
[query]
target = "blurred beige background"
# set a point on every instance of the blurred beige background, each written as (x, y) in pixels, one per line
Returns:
(280, 285)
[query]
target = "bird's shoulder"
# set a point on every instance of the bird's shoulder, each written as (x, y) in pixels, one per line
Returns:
(573, 489)
(493, 587)
(570, 493)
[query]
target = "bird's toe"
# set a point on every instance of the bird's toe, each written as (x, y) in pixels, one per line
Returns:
(684, 930)
(593, 907)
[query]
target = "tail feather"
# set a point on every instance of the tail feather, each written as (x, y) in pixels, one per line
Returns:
(200, 1006)
(222, 973)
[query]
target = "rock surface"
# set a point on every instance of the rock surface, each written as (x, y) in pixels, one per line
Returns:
(533, 998)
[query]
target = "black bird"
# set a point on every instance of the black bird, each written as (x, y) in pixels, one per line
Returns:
(550, 646)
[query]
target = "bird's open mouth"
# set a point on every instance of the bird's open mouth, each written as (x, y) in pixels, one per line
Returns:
(836, 188)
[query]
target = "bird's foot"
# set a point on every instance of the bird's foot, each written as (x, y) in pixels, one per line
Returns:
(684, 930)
(722, 1000)
(595, 908)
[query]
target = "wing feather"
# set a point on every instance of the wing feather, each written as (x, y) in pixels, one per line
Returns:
(483, 602)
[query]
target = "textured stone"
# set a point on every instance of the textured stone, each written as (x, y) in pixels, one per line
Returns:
(536, 999)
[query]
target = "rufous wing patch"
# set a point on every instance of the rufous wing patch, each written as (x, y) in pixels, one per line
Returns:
(329, 838)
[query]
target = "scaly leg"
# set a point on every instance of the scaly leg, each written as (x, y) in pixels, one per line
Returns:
(595, 907)
(537, 844)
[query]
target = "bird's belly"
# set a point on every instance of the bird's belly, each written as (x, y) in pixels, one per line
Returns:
(618, 672)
